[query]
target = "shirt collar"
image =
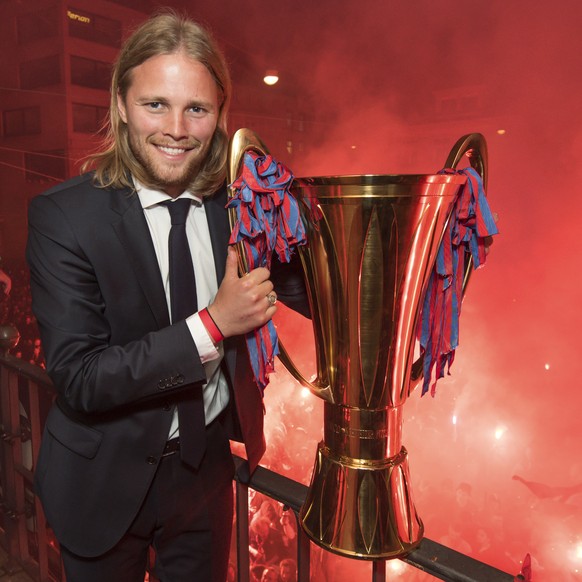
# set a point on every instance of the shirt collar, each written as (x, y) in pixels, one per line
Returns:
(149, 197)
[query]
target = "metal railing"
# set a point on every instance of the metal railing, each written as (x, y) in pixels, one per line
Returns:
(431, 557)
(26, 395)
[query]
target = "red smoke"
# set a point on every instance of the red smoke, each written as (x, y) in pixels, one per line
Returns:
(380, 76)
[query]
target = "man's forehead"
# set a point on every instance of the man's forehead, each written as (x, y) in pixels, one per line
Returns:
(162, 64)
(174, 74)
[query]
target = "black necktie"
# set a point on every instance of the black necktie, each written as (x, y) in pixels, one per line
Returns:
(183, 303)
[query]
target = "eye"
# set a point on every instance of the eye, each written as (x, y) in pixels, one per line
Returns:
(197, 110)
(154, 105)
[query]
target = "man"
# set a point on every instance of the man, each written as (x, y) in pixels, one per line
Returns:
(5, 283)
(270, 574)
(115, 472)
(5, 288)
(37, 357)
(288, 570)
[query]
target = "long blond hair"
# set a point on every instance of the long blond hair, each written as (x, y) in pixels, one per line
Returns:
(165, 33)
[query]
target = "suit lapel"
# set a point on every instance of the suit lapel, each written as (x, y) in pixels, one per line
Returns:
(219, 228)
(133, 231)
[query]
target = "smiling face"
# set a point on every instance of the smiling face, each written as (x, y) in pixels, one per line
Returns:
(171, 110)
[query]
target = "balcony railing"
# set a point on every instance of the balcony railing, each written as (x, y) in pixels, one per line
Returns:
(26, 395)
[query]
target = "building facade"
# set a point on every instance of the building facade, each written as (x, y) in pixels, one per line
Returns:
(54, 96)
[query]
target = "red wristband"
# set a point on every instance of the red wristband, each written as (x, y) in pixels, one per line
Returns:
(211, 327)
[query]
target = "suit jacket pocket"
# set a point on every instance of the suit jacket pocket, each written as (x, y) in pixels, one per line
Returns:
(79, 438)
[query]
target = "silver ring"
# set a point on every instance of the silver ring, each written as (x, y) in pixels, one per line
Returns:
(272, 298)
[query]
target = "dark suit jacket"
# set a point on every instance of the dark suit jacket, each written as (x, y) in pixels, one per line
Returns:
(116, 362)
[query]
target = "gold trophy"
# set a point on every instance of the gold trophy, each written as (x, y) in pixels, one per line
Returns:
(366, 266)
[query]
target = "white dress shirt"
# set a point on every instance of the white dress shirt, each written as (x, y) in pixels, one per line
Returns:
(215, 391)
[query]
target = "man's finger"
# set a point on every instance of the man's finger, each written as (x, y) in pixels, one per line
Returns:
(231, 270)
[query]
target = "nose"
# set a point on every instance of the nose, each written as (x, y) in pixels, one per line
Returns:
(175, 126)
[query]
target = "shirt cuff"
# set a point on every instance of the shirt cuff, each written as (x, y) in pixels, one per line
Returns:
(206, 349)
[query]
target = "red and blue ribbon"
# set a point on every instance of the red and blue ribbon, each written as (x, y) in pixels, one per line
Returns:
(268, 220)
(470, 224)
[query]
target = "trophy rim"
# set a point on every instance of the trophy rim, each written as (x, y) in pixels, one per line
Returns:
(379, 179)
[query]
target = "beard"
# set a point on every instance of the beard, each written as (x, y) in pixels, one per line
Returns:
(162, 174)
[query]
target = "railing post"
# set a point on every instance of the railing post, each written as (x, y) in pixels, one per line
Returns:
(242, 529)
(12, 505)
(379, 571)
(303, 554)
(40, 525)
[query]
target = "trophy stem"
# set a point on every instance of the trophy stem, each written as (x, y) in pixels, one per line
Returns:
(360, 503)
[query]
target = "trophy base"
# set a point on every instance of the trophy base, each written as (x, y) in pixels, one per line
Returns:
(361, 509)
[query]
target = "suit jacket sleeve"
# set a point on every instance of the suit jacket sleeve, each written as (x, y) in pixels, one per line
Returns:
(104, 347)
(289, 283)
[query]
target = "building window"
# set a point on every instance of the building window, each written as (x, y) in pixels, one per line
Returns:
(300, 123)
(46, 166)
(40, 72)
(88, 118)
(135, 4)
(25, 121)
(94, 28)
(460, 105)
(90, 73)
(37, 24)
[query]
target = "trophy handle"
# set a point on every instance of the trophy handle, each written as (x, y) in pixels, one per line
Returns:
(474, 146)
(317, 387)
(243, 141)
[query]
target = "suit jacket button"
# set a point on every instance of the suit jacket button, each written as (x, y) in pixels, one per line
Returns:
(167, 406)
(151, 460)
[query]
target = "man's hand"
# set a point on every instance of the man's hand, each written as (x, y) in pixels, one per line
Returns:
(241, 303)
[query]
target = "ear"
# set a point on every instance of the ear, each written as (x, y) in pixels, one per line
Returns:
(121, 108)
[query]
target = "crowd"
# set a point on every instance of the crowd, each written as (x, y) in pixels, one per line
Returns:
(272, 541)
(457, 515)
(15, 310)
